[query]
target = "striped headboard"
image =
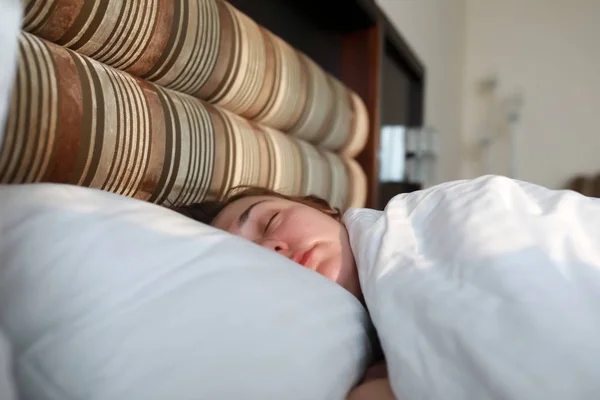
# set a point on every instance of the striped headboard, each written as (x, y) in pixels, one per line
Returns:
(175, 102)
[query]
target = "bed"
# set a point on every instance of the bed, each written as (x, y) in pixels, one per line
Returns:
(117, 109)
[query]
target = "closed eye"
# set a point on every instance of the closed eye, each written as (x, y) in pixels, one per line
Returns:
(270, 221)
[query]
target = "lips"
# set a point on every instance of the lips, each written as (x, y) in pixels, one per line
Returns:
(304, 258)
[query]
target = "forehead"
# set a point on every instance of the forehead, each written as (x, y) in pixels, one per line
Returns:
(228, 217)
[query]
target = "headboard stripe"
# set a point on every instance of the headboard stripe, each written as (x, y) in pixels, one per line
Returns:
(210, 50)
(75, 120)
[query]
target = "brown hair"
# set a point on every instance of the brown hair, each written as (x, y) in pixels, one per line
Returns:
(206, 211)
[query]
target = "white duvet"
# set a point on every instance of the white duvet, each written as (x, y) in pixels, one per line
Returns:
(484, 289)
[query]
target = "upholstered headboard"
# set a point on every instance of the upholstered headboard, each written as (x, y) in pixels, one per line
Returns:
(175, 102)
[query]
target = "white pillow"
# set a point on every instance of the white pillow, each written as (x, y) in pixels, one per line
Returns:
(7, 390)
(106, 297)
(10, 26)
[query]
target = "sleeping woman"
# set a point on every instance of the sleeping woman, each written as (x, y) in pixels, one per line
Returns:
(491, 289)
(305, 229)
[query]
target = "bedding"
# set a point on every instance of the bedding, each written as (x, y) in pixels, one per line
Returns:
(484, 289)
(10, 15)
(107, 297)
(7, 387)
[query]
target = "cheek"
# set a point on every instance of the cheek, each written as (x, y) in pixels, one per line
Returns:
(305, 227)
(339, 246)
(341, 268)
(331, 268)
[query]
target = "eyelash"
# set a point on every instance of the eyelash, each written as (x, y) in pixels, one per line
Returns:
(270, 221)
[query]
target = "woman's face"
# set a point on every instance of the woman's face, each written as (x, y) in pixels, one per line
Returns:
(301, 233)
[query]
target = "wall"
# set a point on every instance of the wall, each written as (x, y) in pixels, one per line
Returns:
(435, 30)
(551, 49)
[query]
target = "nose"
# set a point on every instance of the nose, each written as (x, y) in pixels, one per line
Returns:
(277, 246)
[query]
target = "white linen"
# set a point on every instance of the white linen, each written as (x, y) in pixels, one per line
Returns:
(7, 388)
(10, 25)
(484, 289)
(108, 298)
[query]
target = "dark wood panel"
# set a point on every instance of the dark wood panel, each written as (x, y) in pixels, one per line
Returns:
(406, 64)
(399, 49)
(416, 114)
(315, 27)
(362, 72)
(332, 15)
(390, 189)
(396, 93)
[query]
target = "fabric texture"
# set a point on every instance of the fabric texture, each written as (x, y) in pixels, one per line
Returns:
(122, 299)
(10, 17)
(484, 289)
(210, 50)
(74, 120)
(7, 385)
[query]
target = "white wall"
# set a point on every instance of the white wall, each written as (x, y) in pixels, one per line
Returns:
(435, 30)
(552, 49)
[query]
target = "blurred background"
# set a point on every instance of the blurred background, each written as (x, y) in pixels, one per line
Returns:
(512, 86)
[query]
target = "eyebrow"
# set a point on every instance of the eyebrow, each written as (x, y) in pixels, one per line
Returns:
(246, 214)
